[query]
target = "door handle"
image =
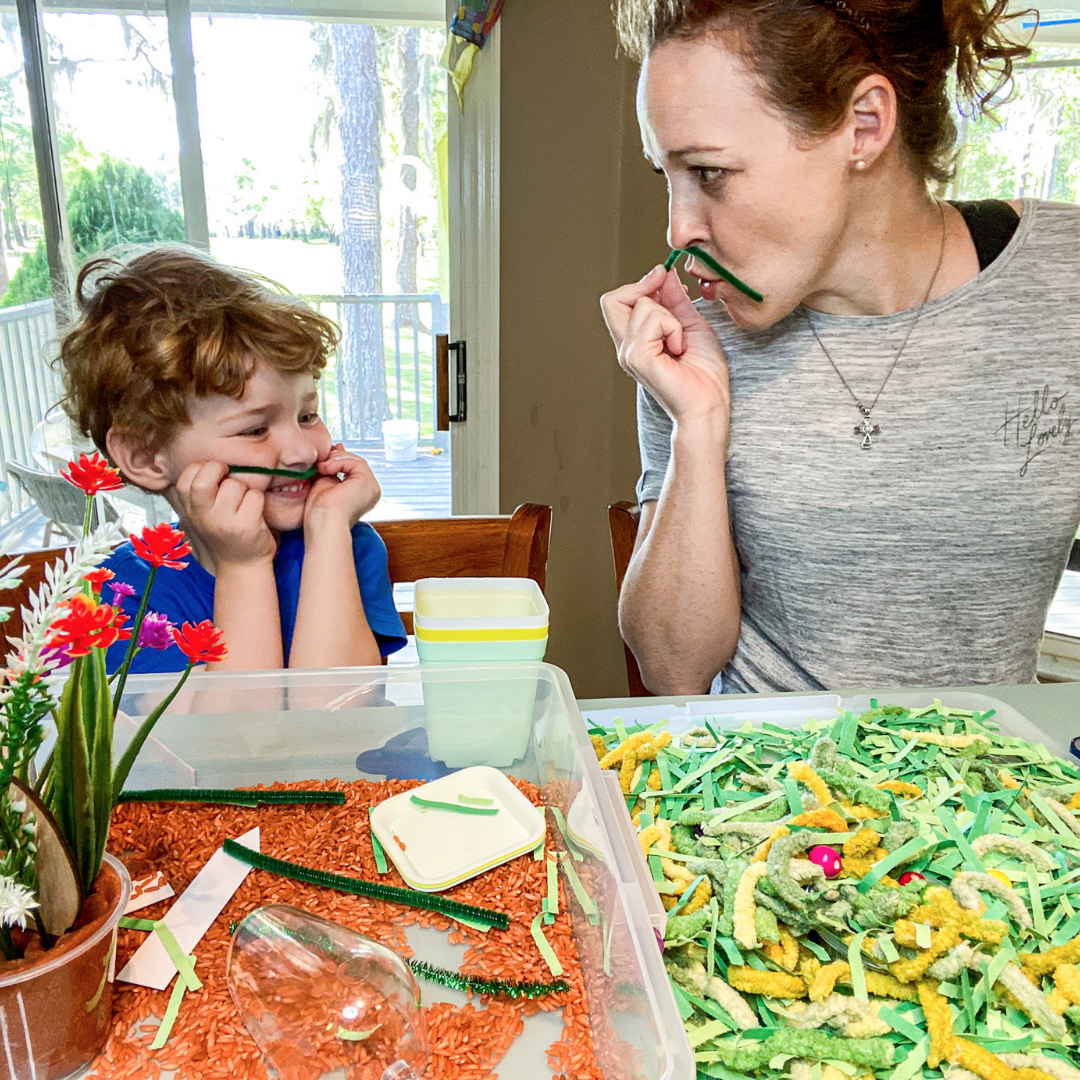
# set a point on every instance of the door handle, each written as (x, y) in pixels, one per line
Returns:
(450, 378)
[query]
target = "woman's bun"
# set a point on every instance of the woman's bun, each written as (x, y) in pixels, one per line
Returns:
(985, 36)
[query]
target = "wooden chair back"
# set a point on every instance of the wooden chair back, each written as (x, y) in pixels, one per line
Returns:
(623, 520)
(34, 563)
(512, 545)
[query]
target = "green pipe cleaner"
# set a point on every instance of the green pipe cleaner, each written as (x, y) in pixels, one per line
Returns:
(232, 796)
(371, 889)
(716, 268)
(307, 474)
(491, 987)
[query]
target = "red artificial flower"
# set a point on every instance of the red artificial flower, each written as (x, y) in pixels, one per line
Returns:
(98, 577)
(87, 625)
(161, 545)
(93, 474)
(201, 644)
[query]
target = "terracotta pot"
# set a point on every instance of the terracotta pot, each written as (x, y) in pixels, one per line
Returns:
(56, 1006)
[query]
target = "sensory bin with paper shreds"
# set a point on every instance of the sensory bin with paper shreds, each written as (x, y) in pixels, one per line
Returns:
(208, 1040)
(945, 939)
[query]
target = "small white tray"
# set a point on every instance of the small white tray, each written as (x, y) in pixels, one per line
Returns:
(434, 849)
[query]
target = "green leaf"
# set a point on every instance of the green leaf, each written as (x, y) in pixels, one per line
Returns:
(98, 711)
(71, 795)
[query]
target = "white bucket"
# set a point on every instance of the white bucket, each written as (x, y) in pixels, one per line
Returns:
(401, 437)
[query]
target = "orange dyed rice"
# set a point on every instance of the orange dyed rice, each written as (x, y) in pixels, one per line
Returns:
(209, 1040)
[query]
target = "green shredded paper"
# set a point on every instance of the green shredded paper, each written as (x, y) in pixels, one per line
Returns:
(945, 944)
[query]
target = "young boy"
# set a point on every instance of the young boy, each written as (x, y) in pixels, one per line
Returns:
(178, 368)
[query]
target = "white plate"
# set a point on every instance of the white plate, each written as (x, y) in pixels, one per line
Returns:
(434, 849)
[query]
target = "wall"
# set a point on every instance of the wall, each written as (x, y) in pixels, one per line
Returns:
(581, 212)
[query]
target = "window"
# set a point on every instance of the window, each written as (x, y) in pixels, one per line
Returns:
(321, 165)
(121, 179)
(311, 150)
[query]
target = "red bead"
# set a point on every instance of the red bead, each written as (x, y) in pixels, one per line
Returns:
(909, 876)
(828, 859)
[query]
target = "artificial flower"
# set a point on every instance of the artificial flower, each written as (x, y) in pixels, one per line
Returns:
(93, 474)
(87, 625)
(17, 903)
(156, 632)
(97, 578)
(120, 590)
(201, 644)
(161, 545)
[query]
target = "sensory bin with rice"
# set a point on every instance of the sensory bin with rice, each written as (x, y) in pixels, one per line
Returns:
(890, 896)
(209, 1041)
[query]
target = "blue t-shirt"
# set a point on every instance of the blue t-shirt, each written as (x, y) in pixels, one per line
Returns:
(188, 596)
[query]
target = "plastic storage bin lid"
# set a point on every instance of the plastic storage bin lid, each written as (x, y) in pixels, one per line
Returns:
(434, 849)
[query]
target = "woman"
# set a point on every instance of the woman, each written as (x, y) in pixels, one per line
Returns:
(870, 477)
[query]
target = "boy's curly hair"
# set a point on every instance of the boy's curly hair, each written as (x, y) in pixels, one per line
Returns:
(169, 324)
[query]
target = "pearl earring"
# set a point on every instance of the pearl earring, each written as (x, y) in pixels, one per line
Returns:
(861, 166)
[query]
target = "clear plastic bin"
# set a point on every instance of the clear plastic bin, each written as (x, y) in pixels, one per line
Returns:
(227, 730)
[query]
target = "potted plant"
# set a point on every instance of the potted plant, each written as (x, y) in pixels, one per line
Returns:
(61, 894)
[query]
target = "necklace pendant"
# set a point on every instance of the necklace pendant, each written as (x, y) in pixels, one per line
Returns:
(867, 430)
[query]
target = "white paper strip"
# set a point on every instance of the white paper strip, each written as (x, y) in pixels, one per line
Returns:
(148, 890)
(190, 917)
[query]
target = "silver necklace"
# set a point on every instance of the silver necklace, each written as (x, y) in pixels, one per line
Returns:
(868, 430)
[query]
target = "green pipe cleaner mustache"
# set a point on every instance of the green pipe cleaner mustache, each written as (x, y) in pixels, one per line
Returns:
(716, 268)
(307, 474)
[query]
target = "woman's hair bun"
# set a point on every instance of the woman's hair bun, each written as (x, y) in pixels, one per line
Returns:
(984, 35)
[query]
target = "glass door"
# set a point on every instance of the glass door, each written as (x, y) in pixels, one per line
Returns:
(321, 145)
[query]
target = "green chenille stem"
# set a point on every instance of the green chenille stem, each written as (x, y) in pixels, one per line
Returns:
(490, 987)
(307, 474)
(133, 644)
(374, 891)
(232, 796)
(454, 808)
(716, 268)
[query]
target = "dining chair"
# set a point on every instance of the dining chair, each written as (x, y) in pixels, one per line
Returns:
(623, 520)
(511, 545)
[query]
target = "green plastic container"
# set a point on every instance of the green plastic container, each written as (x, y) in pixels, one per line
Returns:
(479, 620)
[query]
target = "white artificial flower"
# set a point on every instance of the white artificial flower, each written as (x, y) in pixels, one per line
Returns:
(17, 903)
(62, 581)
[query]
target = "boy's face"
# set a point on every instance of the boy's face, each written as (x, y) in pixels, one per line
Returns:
(275, 424)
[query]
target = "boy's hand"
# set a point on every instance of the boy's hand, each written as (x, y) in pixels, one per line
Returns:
(351, 497)
(224, 514)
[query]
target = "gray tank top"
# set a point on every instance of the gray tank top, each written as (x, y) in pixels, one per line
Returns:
(932, 558)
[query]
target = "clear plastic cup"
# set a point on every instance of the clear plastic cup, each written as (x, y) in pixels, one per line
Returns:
(56, 1014)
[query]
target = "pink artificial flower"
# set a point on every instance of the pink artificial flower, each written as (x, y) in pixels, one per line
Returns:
(155, 632)
(120, 590)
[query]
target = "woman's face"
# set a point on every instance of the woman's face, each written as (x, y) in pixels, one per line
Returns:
(766, 205)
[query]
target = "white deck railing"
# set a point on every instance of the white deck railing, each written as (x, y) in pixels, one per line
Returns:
(29, 387)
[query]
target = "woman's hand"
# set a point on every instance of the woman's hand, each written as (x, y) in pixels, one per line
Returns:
(666, 345)
(351, 497)
(224, 515)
